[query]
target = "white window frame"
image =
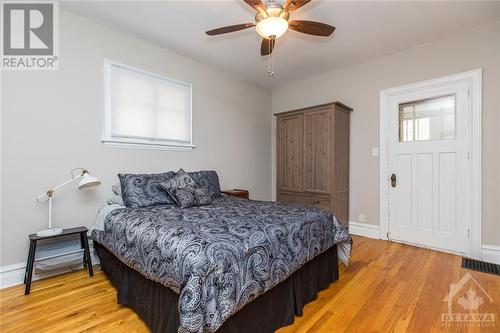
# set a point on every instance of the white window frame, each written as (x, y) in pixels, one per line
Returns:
(136, 143)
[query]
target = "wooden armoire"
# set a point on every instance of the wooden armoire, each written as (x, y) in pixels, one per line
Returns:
(312, 160)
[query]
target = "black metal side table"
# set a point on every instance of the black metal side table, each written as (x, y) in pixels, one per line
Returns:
(87, 261)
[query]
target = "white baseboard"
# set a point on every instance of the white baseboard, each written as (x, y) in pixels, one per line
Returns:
(490, 253)
(364, 229)
(13, 275)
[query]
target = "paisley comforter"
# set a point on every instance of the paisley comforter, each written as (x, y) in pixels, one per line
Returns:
(221, 256)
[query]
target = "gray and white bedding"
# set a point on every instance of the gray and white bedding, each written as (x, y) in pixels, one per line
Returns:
(219, 257)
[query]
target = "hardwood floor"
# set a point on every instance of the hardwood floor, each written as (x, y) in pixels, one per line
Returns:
(388, 287)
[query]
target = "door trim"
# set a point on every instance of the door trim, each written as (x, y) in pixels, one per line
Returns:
(474, 79)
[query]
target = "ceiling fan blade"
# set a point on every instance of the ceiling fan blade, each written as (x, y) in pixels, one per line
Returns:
(267, 46)
(291, 5)
(231, 28)
(256, 4)
(311, 28)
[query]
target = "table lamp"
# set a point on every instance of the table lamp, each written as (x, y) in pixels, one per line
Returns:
(86, 181)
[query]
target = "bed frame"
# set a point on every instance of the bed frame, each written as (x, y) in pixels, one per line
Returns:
(157, 305)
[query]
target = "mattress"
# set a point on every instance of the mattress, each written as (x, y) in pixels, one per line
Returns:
(219, 257)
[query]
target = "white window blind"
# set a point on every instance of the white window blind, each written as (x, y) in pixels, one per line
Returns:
(146, 109)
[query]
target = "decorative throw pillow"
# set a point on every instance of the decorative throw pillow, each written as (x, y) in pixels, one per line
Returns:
(183, 189)
(190, 196)
(180, 180)
(142, 190)
(203, 196)
(185, 196)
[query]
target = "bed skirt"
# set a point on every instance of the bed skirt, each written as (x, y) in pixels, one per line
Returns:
(157, 305)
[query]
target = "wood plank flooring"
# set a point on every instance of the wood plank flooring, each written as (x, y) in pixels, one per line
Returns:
(388, 287)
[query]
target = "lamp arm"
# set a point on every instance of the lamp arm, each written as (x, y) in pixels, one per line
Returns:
(50, 192)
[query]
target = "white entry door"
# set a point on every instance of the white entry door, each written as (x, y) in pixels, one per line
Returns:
(429, 165)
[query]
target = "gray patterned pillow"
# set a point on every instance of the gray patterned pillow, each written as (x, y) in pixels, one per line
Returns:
(208, 180)
(203, 196)
(184, 190)
(142, 190)
(184, 196)
(190, 196)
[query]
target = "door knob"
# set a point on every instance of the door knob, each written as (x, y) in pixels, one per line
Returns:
(393, 180)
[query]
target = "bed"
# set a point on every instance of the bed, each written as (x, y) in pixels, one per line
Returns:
(234, 265)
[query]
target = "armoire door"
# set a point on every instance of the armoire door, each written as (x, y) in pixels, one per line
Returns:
(317, 146)
(290, 152)
(340, 190)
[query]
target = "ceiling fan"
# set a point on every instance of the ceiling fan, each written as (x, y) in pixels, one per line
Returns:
(273, 21)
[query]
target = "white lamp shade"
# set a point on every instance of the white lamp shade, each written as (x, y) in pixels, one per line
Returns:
(272, 27)
(88, 181)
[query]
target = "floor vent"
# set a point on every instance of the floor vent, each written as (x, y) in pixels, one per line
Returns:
(481, 266)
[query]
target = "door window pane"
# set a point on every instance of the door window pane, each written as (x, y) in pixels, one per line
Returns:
(430, 119)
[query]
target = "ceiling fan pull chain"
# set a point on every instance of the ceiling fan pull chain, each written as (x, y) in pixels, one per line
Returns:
(270, 69)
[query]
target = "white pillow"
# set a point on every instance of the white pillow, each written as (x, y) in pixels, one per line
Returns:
(117, 189)
(116, 200)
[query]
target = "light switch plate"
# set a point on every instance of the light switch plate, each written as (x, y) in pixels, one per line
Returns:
(375, 151)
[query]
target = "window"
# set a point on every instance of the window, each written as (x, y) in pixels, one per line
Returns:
(431, 119)
(146, 110)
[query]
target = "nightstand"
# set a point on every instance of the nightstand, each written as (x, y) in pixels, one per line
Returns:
(237, 193)
(87, 261)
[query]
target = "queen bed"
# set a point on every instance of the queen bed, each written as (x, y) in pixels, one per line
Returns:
(234, 265)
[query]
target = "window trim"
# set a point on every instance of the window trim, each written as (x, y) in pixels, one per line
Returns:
(140, 143)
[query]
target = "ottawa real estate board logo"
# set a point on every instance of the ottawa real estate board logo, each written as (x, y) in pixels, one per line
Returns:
(30, 39)
(464, 300)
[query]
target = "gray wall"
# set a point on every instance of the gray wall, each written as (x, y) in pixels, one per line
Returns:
(52, 122)
(359, 87)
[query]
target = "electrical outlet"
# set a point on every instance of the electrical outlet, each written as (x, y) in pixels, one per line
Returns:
(375, 151)
(362, 218)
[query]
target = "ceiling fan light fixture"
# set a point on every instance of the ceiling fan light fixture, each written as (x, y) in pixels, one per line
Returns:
(272, 27)
(271, 22)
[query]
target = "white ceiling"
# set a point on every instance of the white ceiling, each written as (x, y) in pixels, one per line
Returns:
(365, 30)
